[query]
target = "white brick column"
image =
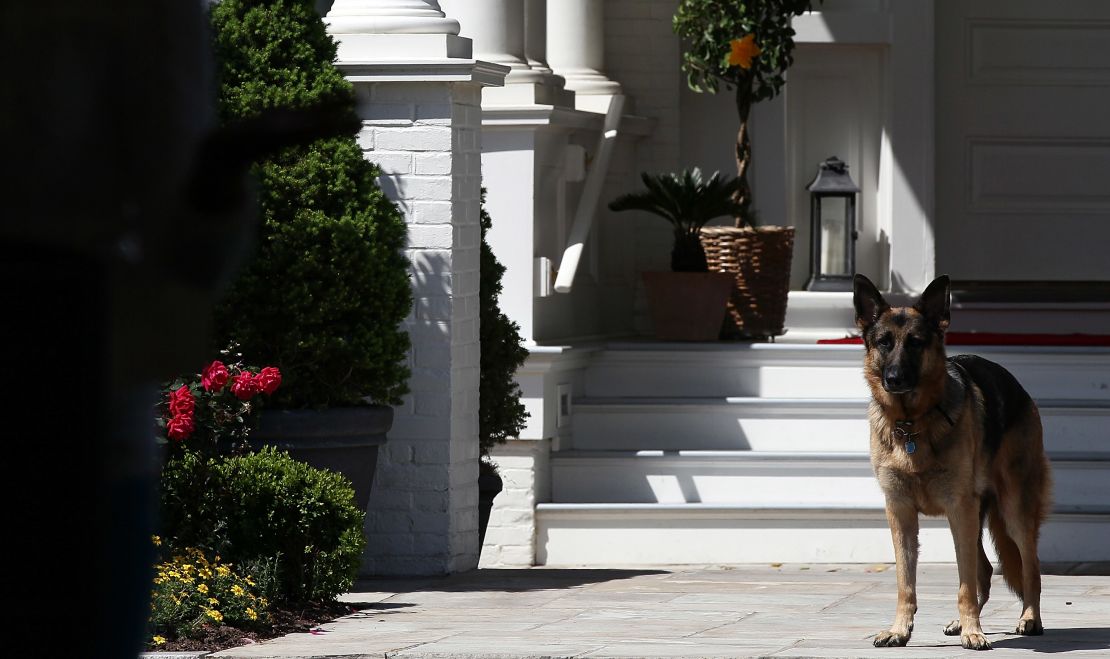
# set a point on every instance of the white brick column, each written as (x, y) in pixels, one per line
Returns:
(576, 51)
(525, 467)
(422, 126)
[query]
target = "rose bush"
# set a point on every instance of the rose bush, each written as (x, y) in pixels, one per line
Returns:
(216, 409)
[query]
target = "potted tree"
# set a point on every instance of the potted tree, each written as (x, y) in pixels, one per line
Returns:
(501, 415)
(747, 46)
(688, 303)
(327, 289)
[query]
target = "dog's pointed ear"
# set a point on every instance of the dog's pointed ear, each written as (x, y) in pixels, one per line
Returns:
(935, 303)
(868, 301)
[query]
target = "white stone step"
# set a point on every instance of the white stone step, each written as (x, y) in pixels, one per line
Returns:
(826, 425)
(641, 535)
(772, 370)
(764, 479)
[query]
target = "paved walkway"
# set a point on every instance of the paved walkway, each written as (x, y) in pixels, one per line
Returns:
(752, 611)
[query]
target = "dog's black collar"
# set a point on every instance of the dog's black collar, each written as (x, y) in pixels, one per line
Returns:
(953, 399)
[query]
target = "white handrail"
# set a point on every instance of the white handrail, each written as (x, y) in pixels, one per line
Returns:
(591, 192)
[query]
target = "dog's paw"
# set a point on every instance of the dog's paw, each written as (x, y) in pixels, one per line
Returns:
(975, 641)
(888, 639)
(1029, 628)
(952, 628)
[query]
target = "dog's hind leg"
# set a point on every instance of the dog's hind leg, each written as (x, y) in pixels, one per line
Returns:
(1022, 513)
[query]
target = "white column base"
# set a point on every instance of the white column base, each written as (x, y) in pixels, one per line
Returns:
(395, 47)
(592, 102)
(543, 92)
(389, 17)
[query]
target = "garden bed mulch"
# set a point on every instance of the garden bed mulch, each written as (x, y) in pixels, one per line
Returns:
(283, 621)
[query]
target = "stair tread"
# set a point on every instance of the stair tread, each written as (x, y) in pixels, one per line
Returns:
(765, 508)
(741, 401)
(751, 455)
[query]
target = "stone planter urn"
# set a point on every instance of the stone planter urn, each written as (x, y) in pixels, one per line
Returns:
(489, 486)
(342, 439)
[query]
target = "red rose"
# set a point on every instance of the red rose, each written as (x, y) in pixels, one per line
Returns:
(180, 427)
(214, 376)
(182, 401)
(268, 379)
(244, 386)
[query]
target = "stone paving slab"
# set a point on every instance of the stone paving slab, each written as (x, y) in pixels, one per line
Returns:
(784, 611)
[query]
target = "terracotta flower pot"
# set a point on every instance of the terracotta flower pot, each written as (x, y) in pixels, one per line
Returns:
(344, 439)
(688, 306)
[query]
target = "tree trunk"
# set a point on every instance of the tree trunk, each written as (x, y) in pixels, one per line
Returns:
(743, 194)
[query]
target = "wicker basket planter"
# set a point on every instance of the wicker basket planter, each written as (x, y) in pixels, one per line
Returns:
(760, 259)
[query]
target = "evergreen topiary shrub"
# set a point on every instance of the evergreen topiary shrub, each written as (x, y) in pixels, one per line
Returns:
(500, 413)
(295, 529)
(328, 287)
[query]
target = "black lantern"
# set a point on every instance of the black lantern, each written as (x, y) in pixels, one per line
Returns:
(832, 212)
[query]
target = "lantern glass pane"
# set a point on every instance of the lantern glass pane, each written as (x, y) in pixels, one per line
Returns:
(834, 211)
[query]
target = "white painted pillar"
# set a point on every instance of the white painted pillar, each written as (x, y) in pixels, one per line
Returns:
(576, 51)
(394, 29)
(535, 34)
(497, 29)
(418, 93)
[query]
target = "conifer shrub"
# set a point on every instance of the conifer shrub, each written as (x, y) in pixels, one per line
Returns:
(500, 413)
(326, 290)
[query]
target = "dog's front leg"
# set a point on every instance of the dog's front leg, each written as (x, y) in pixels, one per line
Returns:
(963, 517)
(903, 531)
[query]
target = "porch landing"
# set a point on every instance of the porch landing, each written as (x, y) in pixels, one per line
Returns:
(751, 611)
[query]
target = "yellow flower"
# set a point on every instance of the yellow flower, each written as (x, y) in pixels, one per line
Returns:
(157, 543)
(213, 601)
(215, 615)
(743, 52)
(238, 591)
(159, 640)
(203, 588)
(223, 570)
(252, 614)
(250, 582)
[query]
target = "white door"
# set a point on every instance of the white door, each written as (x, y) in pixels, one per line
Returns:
(1023, 140)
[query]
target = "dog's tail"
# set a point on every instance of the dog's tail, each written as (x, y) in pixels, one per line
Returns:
(1009, 557)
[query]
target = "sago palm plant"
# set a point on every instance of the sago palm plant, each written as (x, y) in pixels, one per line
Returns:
(688, 201)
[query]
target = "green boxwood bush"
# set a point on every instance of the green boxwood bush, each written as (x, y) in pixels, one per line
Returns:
(327, 289)
(295, 529)
(500, 413)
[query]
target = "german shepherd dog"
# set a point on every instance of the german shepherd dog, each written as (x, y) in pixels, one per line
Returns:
(957, 437)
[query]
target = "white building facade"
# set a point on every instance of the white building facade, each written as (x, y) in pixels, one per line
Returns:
(974, 132)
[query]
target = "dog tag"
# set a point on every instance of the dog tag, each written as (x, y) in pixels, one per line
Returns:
(910, 446)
